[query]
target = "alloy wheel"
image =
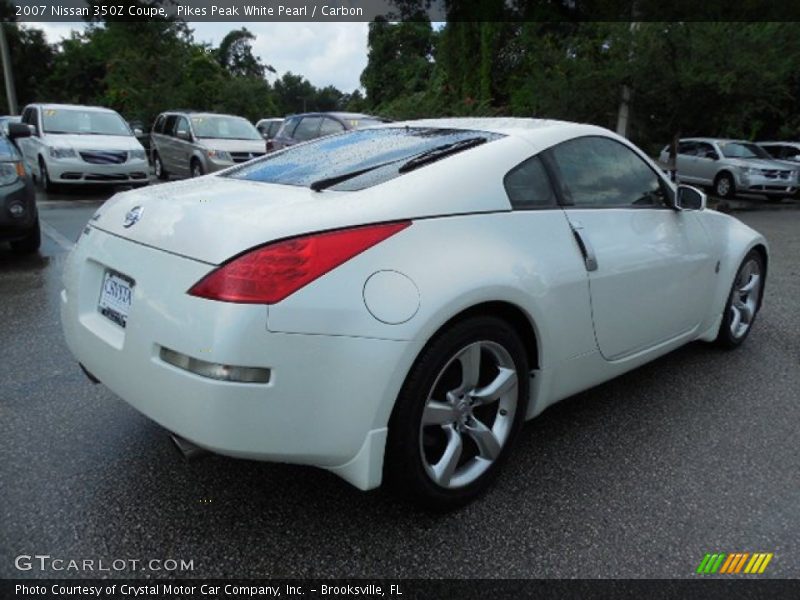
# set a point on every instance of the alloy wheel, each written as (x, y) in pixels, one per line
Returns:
(744, 297)
(469, 414)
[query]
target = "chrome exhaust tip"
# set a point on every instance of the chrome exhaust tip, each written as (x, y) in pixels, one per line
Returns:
(190, 451)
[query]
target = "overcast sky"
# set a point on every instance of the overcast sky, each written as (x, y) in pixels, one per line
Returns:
(323, 53)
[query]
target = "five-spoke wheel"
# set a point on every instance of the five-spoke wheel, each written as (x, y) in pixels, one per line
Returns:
(458, 413)
(743, 302)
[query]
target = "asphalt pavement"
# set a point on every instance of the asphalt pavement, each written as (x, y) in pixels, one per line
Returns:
(696, 452)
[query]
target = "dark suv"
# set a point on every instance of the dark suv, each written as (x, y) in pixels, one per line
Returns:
(19, 219)
(308, 126)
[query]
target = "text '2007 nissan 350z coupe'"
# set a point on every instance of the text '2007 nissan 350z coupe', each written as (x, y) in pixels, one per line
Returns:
(392, 303)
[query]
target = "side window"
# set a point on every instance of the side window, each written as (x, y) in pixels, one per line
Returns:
(182, 125)
(599, 172)
(273, 129)
(528, 185)
(169, 125)
(307, 129)
(288, 127)
(159, 126)
(687, 148)
(706, 150)
(35, 118)
(26, 116)
(330, 126)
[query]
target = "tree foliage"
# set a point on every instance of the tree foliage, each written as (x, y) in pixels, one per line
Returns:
(142, 68)
(721, 79)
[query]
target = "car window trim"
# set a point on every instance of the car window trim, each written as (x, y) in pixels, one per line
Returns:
(562, 191)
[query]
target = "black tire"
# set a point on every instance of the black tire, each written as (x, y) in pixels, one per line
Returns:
(726, 338)
(405, 459)
(29, 244)
(196, 168)
(724, 186)
(44, 177)
(158, 167)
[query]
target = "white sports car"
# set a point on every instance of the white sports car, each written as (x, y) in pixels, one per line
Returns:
(392, 303)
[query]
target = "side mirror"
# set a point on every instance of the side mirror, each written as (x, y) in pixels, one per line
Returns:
(19, 130)
(183, 134)
(137, 132)
(689, 198)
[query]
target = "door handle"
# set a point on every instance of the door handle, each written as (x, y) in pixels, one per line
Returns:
(589, 257)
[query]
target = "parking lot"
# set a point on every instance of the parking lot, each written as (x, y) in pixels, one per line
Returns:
(696, 452)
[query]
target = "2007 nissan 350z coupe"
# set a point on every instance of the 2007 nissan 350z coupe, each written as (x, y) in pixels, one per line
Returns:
(392, 303)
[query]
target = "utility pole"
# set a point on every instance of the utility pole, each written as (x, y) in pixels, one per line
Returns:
(8, 75)
(623, 115)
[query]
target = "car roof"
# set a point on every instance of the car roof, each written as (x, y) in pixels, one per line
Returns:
(526, 128)
(337, 114)
(46, 105)
(717, 140)
(784, 143)
(199, 113)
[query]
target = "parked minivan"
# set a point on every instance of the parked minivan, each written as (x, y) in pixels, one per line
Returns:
(81, 145)
(190, 144)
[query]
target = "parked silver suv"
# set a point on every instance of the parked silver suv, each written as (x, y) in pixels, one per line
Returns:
(731, 166)
(190, 144)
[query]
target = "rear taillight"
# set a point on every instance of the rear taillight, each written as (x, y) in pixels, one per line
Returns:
(270, 273)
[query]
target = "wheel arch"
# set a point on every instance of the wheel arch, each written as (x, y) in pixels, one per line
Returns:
(514, 315)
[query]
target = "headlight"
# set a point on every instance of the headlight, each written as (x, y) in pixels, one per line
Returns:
(750, 171)
(62, 153)
(137, 154)
(221, 155)
(10, 172)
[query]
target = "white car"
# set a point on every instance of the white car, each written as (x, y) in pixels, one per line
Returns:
(392, 303)
(82, 144)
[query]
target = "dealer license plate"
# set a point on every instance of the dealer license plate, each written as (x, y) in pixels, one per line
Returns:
(115, 297)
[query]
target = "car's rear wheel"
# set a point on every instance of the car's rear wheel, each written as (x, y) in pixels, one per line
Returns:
(458, 413)
(724, 186)
(30, 243)
(158, 167)
(196, 168)
(743, 302)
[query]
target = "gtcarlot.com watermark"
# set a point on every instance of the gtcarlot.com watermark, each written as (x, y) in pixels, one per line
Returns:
(45, 563)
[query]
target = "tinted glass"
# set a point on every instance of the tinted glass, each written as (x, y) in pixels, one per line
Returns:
(330, 126)
(288, 127)
(742, 150)
(687, 148)
(528, 185)
(599, 172)
(159, 126)
(307, 129)
(387, 149)
(273, 128)
(169, 125)
(89, 122)
(223, 127)
(183, 125)
(705, 149)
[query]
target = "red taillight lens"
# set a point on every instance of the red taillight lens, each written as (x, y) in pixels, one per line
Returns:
(269, 274)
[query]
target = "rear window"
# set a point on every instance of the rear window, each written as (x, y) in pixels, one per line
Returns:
(383, 150)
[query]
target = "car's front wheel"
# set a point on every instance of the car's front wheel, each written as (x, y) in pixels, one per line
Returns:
(458, 413)
(196, 168)
(724, 186)
(44, 176)
(743, 302)
(30, 243)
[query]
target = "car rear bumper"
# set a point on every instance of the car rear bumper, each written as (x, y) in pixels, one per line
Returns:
(327, 399)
